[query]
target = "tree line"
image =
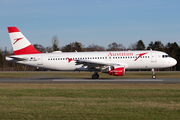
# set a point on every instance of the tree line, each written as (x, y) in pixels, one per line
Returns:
(170, 48)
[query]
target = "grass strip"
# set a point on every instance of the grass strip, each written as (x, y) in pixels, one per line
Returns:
(89, 101)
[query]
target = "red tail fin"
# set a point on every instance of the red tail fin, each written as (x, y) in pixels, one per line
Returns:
(19, 42)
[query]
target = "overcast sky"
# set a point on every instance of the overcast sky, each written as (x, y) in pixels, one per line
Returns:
(99, 22)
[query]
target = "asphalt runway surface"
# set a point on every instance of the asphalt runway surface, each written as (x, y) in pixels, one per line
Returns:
(64, 80)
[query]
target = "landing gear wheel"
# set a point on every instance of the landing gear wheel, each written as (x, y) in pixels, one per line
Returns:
(95, 76)
(153, 76)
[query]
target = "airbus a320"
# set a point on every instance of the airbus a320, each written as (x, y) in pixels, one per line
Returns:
(114, 63)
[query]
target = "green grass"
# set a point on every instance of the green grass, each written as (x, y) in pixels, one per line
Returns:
(90, 101)
(57, 74)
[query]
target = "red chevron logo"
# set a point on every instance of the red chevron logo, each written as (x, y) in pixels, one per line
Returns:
(139, 55)
(69, 60)
(17, 40)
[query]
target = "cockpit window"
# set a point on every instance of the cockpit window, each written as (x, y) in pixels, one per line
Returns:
(165, 56)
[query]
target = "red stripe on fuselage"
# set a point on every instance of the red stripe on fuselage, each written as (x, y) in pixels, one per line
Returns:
(27, 50)
(13, 29)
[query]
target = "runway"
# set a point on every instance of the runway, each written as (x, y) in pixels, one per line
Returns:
(62, 80)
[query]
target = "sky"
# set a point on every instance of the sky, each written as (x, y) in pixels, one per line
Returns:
(99, 22)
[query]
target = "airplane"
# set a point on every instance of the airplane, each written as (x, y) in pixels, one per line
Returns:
(114, 63)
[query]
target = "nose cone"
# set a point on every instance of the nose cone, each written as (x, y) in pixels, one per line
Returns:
(173, 62)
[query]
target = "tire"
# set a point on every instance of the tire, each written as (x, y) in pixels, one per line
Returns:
(95, 76)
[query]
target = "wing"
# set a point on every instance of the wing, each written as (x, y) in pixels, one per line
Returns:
(93, 64)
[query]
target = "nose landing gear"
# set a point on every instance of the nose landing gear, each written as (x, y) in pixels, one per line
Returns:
(153, 76)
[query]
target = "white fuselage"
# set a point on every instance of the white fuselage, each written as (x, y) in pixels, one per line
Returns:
(129, 59)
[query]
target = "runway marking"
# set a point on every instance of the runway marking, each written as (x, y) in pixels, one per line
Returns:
(106, 80)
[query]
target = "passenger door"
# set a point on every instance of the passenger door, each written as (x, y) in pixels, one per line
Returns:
(153, 57)
(40, 60)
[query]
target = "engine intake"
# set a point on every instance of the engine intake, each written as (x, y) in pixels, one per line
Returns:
(117, 70)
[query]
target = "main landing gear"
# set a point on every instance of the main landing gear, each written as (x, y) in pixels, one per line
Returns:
(153, 76)
(95, 75)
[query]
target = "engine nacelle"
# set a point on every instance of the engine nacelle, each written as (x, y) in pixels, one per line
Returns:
(117, 70)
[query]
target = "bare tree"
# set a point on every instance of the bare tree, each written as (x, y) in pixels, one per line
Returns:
(93, 47)
(132, 46)
(115, 47)
(74, 46)
(49, 49)
(55, 43)
(39, 47)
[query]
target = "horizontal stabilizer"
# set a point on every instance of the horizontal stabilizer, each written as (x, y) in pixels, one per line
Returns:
(12, 58)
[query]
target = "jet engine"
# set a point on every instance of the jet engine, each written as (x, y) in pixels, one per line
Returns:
(117, 70)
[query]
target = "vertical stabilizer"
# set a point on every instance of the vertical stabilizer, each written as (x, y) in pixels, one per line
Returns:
(19, 42)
